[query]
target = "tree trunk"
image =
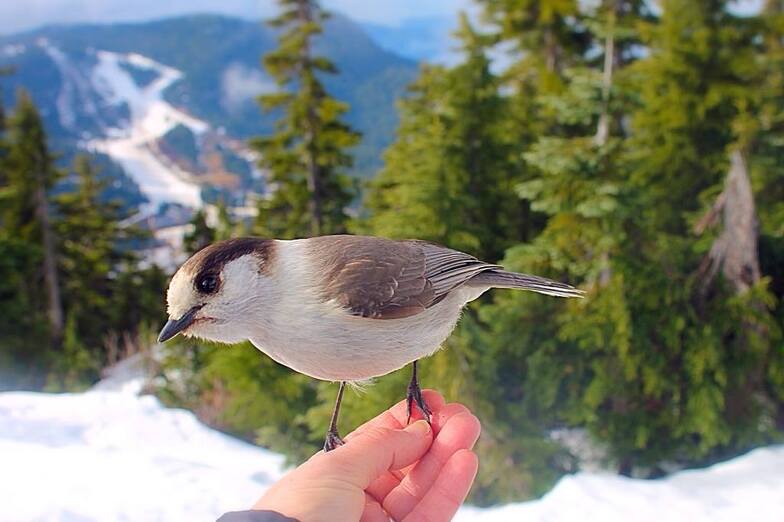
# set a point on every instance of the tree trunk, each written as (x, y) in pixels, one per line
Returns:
(551, 50)
(55, 309)
(735, 250)
(314, 172)
(314, 201)
(603, 128)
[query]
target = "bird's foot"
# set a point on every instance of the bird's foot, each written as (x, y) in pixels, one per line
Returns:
(414, 395)
(332, 441)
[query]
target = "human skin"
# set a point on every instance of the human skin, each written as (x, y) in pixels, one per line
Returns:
(386, 469)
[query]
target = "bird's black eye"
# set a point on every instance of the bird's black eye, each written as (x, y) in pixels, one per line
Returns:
(207, 283)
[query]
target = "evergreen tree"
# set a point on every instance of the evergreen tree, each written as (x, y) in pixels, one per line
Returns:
(66, 257)
(306, 157)
(26, 214)
(459, 191)
(579, 187)
(767, 125)
(757, 167)
(545, 25)
(24, 338)
(651, 386)
(90, 252)
(105, 291)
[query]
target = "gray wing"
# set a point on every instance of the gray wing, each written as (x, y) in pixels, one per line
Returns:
(384, 279)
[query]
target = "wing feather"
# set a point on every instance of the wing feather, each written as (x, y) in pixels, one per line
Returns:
(384, 279)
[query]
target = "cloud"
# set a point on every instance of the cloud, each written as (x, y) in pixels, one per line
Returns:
(240, 84)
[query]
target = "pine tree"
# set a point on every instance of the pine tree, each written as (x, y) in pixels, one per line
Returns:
(105, 292)
(652, 386)
(545, 25)
(768, 164)
(459, 191)
(31, 174)
(89, 250)
(534, 370)
(306, 157)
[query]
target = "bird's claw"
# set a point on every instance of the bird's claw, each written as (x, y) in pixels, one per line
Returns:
(332, 441)
(414, 395)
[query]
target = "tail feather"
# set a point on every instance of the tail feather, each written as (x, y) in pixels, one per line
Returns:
(504, 279)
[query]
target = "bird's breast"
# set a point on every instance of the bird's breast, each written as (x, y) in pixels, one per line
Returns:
(325, 342)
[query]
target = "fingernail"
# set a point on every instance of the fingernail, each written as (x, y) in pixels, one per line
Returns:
(420, 427)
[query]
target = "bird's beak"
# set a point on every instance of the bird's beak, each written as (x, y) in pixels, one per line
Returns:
(175, 326)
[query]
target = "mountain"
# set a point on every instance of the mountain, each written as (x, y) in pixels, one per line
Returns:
(422, 39)
(166, 107)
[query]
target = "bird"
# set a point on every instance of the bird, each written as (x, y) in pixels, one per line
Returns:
(340, 308)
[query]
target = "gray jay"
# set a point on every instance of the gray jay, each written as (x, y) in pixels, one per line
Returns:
(337, 308)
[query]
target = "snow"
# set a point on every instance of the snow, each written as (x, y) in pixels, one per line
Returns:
(133, 146)
(111, 455)
(74, 90)
(12, 50)
(750, 487)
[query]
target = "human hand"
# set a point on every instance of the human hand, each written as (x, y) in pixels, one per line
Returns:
(386, 470)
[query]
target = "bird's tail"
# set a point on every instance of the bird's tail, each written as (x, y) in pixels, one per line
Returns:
(504, 279)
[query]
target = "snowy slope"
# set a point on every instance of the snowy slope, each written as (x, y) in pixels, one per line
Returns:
(109, 455)
(132, 146)
(749, 488)
(92, 99)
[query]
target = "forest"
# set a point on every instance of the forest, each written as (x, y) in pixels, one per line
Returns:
(630, 148)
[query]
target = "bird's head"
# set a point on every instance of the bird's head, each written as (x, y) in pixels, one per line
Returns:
(218, 293)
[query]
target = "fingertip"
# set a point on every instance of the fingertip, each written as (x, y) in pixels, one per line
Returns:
(433, 398)
(475, 426)
(449, 490)
(466, 460)
(416, 443)
(442, 415)
(420, 428)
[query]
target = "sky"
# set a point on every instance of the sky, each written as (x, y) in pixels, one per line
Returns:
(18, 15)
(418, 29)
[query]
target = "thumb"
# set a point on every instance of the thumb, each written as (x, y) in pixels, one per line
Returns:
(375, 450)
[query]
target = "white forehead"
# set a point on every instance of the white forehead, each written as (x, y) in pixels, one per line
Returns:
(181, 295)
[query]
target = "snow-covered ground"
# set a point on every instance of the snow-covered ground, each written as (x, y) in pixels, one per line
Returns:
(748, 488)
(112, 455)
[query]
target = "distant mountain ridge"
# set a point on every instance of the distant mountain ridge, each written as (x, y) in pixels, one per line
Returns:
(422, 39)
(178, 95)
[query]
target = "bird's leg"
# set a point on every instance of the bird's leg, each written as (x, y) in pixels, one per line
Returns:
(415, 394)
(333, 440)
